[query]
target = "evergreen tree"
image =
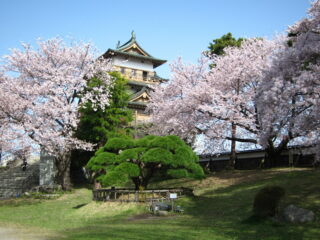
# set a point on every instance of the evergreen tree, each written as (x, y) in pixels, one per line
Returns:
(97, 125)
(123, 158)
(217, 45)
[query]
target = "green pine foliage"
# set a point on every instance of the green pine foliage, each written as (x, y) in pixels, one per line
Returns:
(123, 159)
(97, 125)
(217, 46)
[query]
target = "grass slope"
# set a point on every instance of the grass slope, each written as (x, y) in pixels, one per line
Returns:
(221, 210)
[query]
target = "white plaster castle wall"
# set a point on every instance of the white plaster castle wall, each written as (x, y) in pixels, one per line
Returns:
(133, 63)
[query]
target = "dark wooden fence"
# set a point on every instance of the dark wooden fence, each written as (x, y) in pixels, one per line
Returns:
(253, 159)
(130, 195)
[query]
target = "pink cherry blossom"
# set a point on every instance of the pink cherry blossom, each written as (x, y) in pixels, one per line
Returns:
(39, 92)
(291, 86)
(199, 100)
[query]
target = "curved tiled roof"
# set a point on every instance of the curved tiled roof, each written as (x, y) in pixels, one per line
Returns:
(132, 43)
(111, 52)
(140, 105)
(139, 93)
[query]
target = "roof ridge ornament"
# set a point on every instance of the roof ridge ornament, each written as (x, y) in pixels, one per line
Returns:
(118, 45)
(133, 35)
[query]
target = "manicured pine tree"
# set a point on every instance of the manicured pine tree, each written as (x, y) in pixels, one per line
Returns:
(124, 159)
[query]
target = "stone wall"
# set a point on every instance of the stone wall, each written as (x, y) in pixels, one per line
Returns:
(14, 181)
(47, 169)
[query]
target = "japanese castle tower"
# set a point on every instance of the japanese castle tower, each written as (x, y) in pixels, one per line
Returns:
(136, 65)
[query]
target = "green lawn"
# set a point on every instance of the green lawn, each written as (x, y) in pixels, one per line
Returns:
(221, 210)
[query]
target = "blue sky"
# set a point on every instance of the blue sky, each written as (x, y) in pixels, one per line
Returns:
(166, 29)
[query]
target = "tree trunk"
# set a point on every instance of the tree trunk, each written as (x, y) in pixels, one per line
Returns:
(233, 155)
(145, 183)
(273, 153)
(137, 183)
(271, 157)
(63, 164)
(140, 183)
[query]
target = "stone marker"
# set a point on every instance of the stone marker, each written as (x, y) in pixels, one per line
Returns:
(295, 214)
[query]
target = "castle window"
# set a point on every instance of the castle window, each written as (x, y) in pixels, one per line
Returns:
(145, 75)
(133, 72)
(122, 70)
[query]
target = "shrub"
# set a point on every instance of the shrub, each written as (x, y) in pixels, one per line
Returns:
(267, 200)
(123, 159)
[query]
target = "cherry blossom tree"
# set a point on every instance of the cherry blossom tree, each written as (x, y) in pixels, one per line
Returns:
(206, 101)
(216, 48)
(268, 90)
(12, 136)
(13, 140)
(289, 95)
(43, 89)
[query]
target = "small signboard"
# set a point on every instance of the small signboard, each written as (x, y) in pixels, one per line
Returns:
(173, 195)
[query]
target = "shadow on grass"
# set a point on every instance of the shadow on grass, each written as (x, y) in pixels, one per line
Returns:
(80, 206)
(88, 186)
(229, 209)
(220, 214)
(130, 231)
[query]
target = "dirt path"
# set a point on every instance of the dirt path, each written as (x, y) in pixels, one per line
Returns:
(18, 234)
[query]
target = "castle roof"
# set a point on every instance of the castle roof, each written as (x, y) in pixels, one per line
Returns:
(142, 94)
(138, 105)
(132, 49)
